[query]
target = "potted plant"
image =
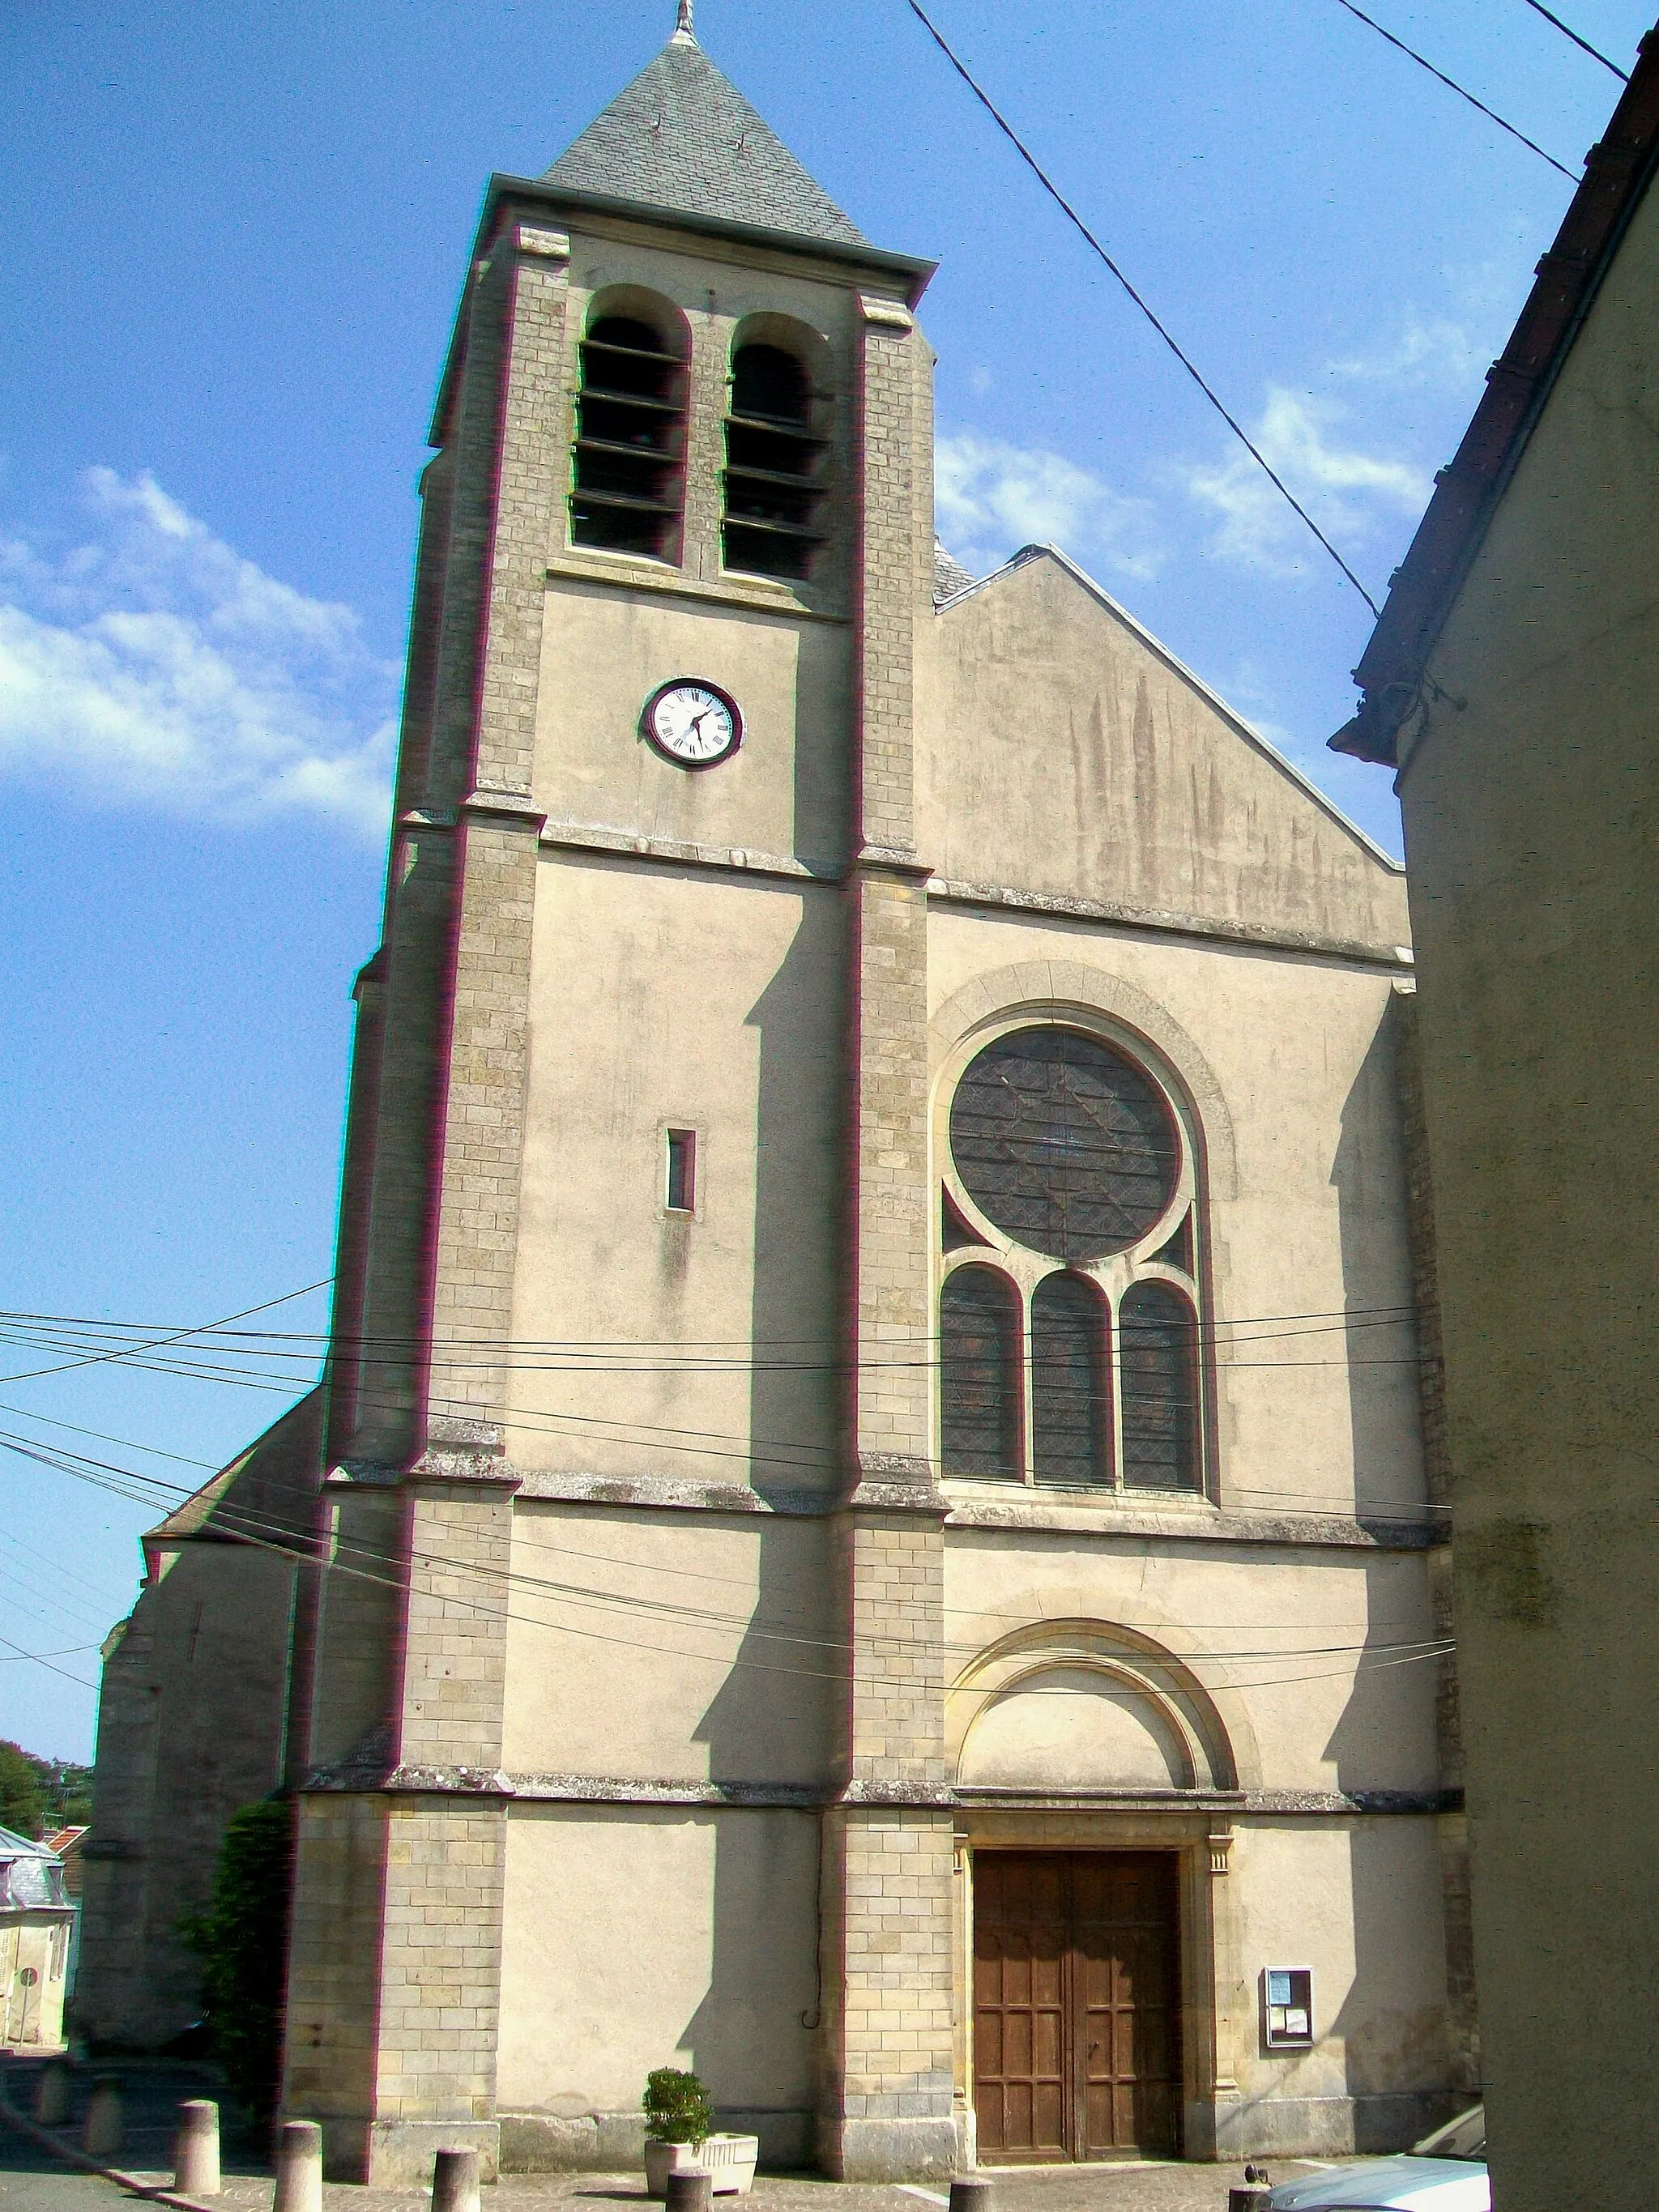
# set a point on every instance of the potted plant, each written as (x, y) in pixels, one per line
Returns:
(677, 2137)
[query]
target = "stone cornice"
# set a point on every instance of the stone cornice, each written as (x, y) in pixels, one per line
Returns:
(363, 1777)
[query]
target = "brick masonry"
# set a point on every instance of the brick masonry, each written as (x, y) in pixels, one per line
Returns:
(889, 1843)
(397, 1954)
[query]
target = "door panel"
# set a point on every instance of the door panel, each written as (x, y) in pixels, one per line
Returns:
(1077, 2003)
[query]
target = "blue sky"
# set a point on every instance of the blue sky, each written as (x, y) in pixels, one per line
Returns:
(233, 241)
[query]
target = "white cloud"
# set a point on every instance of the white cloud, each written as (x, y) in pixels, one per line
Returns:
(153, 663)
(994, 498)
(1431, 350)
(1341, 486)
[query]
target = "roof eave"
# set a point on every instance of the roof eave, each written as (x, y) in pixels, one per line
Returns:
(912, 274)
(1423, 589)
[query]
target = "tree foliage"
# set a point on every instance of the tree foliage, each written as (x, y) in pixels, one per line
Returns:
(241, 1941)
(22, 1792)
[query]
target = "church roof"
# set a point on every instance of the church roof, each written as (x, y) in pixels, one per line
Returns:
(682, 137)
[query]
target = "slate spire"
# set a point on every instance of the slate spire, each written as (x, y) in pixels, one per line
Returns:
(682, 137)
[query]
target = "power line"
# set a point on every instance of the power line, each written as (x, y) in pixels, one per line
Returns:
(1076, 220)
(41, 1659)
(1566, 30)
(1451, 85)
(243, 1314)
(1439, 1650)
(697, 1620)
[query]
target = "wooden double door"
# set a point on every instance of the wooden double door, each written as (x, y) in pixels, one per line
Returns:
(1076, 2004)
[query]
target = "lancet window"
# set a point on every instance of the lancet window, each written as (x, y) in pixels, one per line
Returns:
(1071, 1247)
(628, 488)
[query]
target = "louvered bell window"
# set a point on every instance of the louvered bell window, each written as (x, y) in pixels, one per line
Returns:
(774, 466)
(630, 441)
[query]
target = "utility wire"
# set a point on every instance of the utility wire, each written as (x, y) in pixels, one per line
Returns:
(1566, 30)
(1440, 1649)
(44, 1658)
(1076, 220)
(41, 1659)
(243, 1314)
(1451, 85)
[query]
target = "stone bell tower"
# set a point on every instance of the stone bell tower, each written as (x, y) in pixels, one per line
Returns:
(677, 543)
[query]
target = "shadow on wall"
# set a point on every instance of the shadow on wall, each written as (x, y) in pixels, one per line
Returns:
(770, 1728)
(1394, 2021)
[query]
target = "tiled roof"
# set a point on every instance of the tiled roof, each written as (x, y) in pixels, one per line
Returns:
(949, 577)
(682, 137)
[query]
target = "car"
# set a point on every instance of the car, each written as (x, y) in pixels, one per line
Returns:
(1445, 2173)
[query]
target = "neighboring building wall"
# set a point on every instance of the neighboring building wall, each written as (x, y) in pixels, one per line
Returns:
(192, 1724)
(1530, 788)
(36, 1935)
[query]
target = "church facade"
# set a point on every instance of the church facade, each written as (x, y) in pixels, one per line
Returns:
(875, 1487)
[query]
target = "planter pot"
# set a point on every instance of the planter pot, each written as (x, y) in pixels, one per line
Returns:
(662, 2159)
(729, 2158)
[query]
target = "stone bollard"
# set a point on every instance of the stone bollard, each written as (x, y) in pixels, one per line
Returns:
(196, 2149)
(690, 2191)
(101, 2138)
(970, 2192)
(51, 2094)
(300, 2167)
(455, 2181)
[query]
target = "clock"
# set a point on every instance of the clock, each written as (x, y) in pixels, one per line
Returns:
(692, 723)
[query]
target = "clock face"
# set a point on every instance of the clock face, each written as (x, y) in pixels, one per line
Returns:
(693, 724)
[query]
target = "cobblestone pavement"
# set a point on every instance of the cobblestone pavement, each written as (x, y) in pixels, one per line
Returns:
(30, 2181)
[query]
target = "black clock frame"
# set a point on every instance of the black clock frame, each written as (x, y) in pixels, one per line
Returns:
(702, 684)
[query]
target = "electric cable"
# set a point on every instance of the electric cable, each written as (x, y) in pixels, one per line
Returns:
(40, 1660)
(1076, 220)
(1437, 1647)
(243, 1314)
(1567, 31)
(1452, 85)
(11, 1657)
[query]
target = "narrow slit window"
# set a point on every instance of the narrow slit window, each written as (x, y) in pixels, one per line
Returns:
(681, 1171)
(1070, 1423)
(979, 1376)
(774, 466)
(1157, 1337)
(628, 480)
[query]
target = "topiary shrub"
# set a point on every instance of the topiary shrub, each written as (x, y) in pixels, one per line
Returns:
(241, 1941)
(675, 2108)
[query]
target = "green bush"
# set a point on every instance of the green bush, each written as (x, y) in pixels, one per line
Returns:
(241, 1941)
(675, 2108)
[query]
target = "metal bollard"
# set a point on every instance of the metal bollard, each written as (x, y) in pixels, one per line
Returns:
(51, 2094)
(691, 2189)
(970, 2192)
(101, 2137)
(455, 2181)
(196, 2149)
(300, 2168)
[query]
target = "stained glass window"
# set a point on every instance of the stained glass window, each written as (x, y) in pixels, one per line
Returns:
(1063, 1143)
(1158, 1340)
(1070, 1423)
(978, 1378)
